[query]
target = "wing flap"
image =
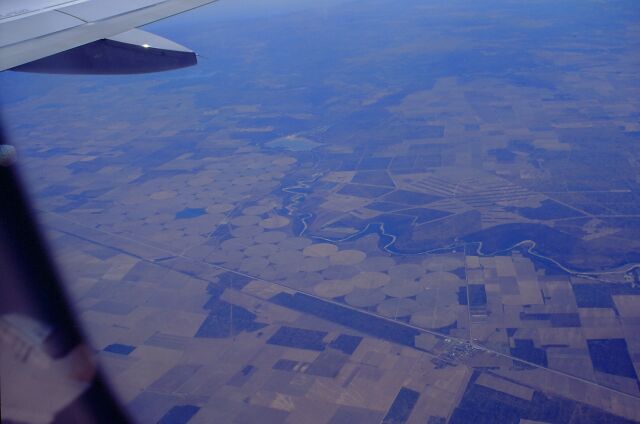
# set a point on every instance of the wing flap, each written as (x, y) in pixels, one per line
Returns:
(93, 11)
(149, 40)
(36, 26)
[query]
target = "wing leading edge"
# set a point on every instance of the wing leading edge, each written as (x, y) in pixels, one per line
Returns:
(92, 36)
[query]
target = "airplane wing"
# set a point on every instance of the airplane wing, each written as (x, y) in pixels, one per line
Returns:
(89, 36)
